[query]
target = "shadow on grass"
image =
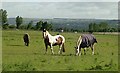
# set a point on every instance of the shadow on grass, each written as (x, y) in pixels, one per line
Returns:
(14, 45)
(60, 54)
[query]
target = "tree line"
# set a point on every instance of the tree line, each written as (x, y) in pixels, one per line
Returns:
(19, 23)
(101, 27)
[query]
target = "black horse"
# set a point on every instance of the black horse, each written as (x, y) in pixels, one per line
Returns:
(26, 39)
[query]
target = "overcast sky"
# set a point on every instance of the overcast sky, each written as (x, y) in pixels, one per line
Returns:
(60, 0)
(89, 10)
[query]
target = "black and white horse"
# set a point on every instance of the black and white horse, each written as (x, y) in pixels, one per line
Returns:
(85, 41)
(51, 41)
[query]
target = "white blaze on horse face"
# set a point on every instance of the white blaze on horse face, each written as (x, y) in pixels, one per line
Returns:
(44, 34)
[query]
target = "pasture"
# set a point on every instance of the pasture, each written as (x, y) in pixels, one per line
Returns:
(18, 57)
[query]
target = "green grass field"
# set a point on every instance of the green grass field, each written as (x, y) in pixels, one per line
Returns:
(17, 57)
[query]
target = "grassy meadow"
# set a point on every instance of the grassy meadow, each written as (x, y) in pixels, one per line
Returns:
(18, 57)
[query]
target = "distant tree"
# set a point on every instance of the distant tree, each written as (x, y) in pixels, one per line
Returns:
(47, 26)
(58, 29)
(72, 30)
(118, 27)
(103, 27)
(66, 29)
(91, 27)
(5, 26)
(29, 26)
(112, 29)
(19, 21)
(38, 25)
(23, 27)
(12, 26)
(1, 11)
(44, 25)
(3, 18)
(95, 27)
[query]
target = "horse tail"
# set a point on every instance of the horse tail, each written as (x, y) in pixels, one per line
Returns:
(63, 47)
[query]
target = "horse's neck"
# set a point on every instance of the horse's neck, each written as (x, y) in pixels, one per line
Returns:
(49, 35)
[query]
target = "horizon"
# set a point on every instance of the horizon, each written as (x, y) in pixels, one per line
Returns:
(67, 18)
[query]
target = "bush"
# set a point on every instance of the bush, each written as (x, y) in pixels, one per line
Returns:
(5, 26)
(23, 27)
(12, 26)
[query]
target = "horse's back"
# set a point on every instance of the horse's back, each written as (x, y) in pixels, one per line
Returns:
(26, 37)
(89, 37)
(87, 40)
(59, 36)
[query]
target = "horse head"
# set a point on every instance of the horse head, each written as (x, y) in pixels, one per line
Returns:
(45, 33)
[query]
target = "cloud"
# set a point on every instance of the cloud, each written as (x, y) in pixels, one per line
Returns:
(0, 5)
(60, 0)
(107, 10)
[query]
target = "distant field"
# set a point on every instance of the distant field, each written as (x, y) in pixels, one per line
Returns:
(17, 57)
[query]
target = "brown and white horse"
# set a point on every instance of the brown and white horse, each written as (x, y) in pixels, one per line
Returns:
(51, 41)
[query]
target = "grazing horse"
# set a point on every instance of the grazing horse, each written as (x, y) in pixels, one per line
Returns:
(85, 41)
(53, 41)
(26, 39)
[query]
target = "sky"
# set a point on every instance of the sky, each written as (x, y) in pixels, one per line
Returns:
(85, 10)
(60, 0)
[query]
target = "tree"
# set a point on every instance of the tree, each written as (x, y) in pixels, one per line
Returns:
(47, 26)
(103, 27)
(91, 27)
(23, 27)
(30, 25)
(12, 26)
(19, 21)
(112, 30)
(5, 26)
(1, 12)
(38, 25)
(3, 18)
(44, 25)
(95, 27)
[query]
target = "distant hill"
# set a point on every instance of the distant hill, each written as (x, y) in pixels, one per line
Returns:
(67, 23)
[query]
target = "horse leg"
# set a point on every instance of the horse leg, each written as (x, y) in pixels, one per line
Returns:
(60, 51)
(46, 48)
(84, 51)
(51, 48)
(27, 44)
(79, 52)
(92, 47)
